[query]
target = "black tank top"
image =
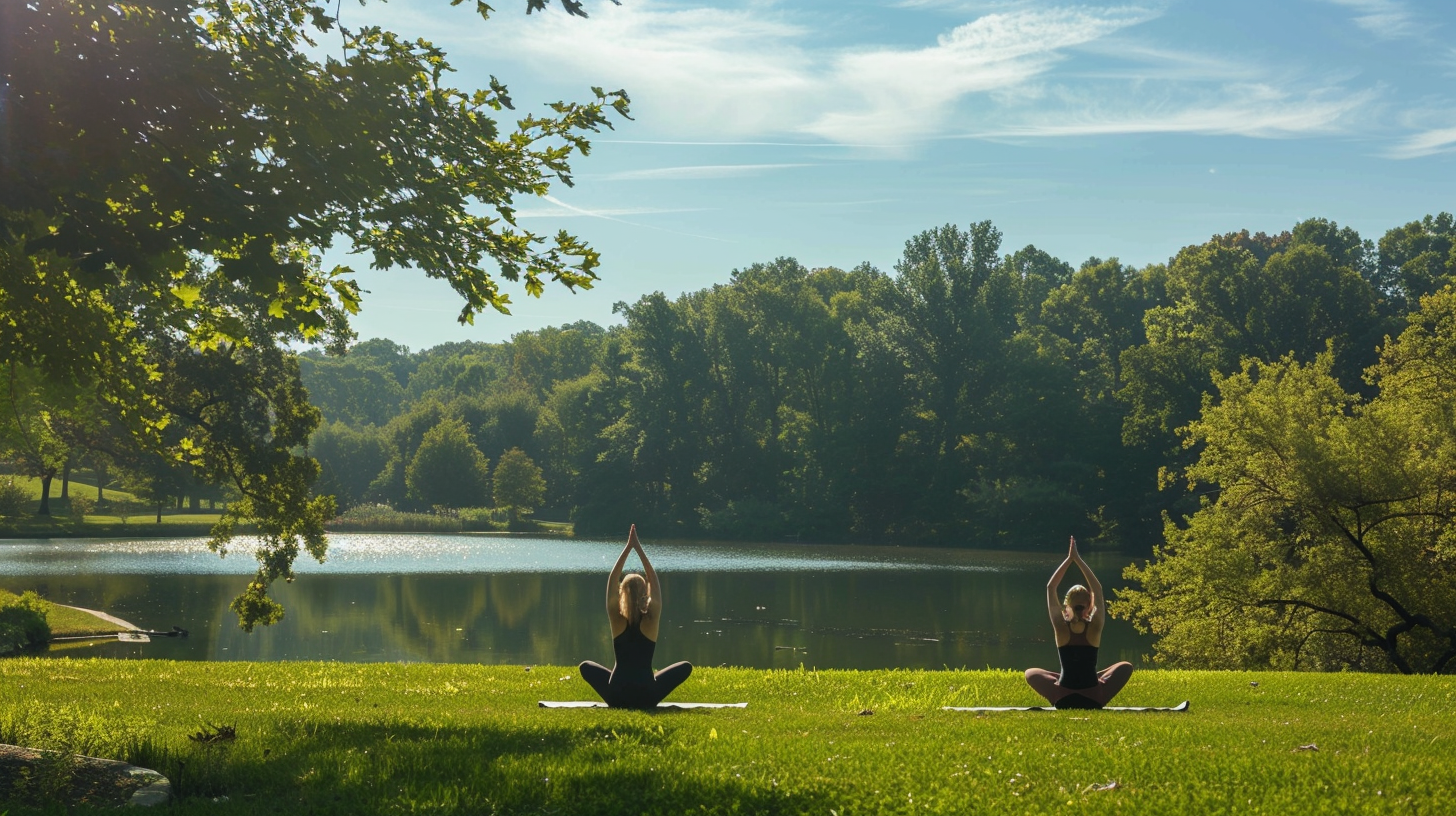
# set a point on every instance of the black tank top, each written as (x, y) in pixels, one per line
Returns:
(634, 655)
(1079, 662)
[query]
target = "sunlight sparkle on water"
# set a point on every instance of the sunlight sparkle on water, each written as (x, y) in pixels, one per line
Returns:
(435, 553)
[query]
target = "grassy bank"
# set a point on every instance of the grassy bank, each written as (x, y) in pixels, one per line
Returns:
(29, 621)
(180, 525)
(388, 738)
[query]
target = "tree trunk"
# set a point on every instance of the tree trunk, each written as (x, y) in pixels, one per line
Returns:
(194, 504)
(100, 480)
(159, 512)
(66, 480)
(45, 494)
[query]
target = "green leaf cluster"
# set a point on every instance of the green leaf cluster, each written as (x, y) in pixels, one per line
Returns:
(447, 469)
(518, 483)
(171, 172)
(1326, 540)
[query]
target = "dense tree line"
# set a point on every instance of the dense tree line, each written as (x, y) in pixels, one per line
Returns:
(969, 397)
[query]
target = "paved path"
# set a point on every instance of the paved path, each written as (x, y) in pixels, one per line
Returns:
(127, 625)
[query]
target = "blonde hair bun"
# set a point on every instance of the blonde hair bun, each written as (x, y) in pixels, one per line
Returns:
(632, 598)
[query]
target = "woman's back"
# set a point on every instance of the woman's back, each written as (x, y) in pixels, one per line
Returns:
(633, 651)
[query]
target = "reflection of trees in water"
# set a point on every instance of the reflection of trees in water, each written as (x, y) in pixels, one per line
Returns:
(843, 619)
(514, 598)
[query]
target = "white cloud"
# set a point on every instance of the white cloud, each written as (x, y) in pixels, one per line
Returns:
(1387, 19)
(606, 215)
(1258, 111)
(964, 6)
(1134, 61)
(734, 74)
(1430, 142)
(722, 73)
(903, 93)
(756, 74)
(699, 171)
(564, 212)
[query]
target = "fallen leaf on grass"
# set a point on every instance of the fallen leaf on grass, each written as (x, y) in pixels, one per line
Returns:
(213, 734)
(567, 677)
(866, 713)
(1309, 747)
(1112, 784)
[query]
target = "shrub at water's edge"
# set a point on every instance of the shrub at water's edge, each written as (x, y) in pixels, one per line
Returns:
(22, 622)
(382, 518)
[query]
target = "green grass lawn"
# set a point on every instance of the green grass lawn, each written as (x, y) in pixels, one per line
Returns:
(98, 526)
(390, 738)
(80, 488)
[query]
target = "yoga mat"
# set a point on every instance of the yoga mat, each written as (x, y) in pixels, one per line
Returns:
(600, 704)
(1183, 706)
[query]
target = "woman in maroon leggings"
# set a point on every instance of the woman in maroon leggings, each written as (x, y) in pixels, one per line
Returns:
(1078, 621)
(634, 610)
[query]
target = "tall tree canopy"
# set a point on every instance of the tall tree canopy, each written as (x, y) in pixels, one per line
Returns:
(170, 171)
(972, 397)
(1330, 542)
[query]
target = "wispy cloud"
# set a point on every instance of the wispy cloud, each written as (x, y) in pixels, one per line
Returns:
(965, 6)
(906, 92)
(718, 73)
(765, 74)
(605, 216)
(1387, 19)
(698, 171)
(739, 143)
(1258, 111)
(736, 74)
(1127, 59)
(1428, 143)
(577, 212)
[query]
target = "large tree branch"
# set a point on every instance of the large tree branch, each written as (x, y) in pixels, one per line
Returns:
(1445, 659)
(1345, 616)
(1357, 541)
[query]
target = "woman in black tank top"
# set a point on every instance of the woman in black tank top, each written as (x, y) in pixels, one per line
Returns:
(634, 610)
(1078, 622)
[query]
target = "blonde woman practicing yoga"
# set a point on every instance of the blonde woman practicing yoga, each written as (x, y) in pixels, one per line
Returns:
(634, 611)
(1078, 620)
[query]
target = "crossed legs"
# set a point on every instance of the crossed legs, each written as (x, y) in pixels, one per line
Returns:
(663, 683)
(1109, 682)
(597, 676)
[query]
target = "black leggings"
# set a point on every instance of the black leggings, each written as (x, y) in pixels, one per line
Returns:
(634, 695)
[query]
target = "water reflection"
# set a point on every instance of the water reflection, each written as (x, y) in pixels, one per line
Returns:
(525, 601)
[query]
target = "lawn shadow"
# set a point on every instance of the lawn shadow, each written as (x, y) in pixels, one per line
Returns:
(524, 767)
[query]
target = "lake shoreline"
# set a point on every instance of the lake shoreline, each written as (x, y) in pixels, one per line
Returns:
(181, 530)
(503, 599)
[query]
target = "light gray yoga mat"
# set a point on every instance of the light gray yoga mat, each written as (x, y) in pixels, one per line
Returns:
(600, 704)
(1183, 706)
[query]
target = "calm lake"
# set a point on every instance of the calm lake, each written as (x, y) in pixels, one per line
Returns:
(491, 599)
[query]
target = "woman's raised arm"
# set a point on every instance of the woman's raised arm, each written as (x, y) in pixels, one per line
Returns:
(1054, 604)
(1093, 584)
(614, 580)
(654, 589)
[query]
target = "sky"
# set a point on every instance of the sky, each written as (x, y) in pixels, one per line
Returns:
(832, 131)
